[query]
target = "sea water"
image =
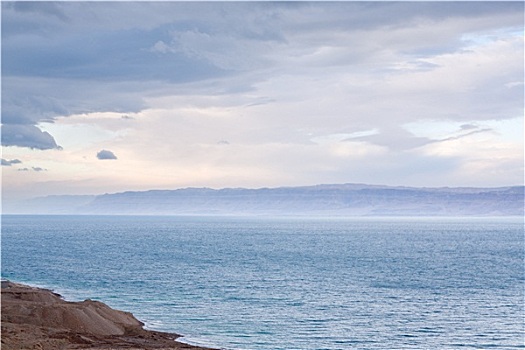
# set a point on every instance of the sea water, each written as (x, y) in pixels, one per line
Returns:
(287, 283)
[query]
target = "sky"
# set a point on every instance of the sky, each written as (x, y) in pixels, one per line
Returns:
(105, 97)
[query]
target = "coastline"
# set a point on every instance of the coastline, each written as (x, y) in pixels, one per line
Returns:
(37, 318)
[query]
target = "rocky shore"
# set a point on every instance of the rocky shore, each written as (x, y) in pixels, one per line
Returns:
(35, 318)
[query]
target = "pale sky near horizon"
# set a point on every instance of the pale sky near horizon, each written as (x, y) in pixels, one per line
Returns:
(104, 97)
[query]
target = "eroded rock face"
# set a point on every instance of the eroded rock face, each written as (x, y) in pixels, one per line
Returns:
(40, 307)
(35, 318)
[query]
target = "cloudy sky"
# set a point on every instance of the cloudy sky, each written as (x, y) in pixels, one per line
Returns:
(114, 96)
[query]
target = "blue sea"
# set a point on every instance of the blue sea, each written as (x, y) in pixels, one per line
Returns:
(288, 283)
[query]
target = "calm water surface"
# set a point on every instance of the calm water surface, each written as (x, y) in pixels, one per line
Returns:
(258, 283)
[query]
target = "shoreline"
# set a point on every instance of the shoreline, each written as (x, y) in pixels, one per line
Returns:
(38, 318)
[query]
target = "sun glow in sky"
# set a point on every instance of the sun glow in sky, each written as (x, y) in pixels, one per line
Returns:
(259, 94)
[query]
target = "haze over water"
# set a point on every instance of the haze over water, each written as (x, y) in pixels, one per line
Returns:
(288, 283)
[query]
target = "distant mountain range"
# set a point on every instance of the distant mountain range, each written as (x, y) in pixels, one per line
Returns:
(320, 200)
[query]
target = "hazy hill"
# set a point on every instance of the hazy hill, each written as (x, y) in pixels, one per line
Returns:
(321, 200)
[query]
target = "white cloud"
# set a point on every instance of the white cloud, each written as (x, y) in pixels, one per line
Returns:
(484, 158)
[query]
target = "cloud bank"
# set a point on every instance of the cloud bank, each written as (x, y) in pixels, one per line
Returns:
(416, 93)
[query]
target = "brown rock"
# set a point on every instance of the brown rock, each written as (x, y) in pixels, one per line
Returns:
(35, 318)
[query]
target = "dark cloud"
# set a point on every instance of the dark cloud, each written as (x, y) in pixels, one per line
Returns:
(6, 162)
(27, 102)
(31, 107)
(105, 154)
(25, 135)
